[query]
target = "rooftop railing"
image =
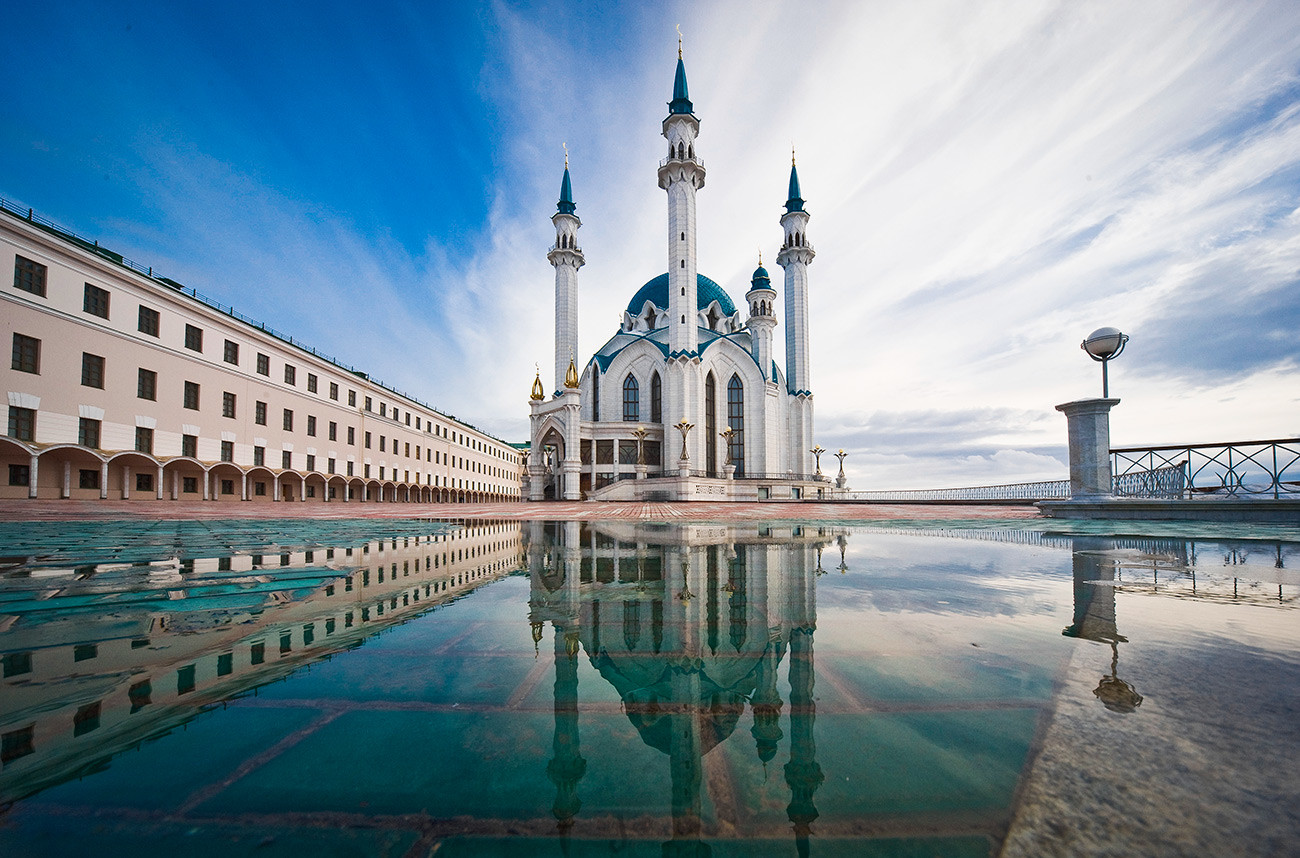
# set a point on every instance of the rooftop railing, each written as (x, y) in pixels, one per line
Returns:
(1233, 468)
(92, 245)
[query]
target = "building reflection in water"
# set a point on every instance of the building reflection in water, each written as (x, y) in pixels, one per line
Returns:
(97, 658)
(689, 625)
(1094, 617)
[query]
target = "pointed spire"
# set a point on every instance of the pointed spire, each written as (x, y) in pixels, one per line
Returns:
(538, 391)
(566, 205)
(571, 375)
(795, 201)
(681, 102)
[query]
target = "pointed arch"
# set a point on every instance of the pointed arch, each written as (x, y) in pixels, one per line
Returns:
(710, 423)
(656, 398)
(631, 399)
(736, 423)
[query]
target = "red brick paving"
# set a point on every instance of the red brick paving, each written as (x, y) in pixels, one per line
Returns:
(102, 510)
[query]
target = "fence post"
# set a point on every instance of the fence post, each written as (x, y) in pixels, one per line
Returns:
(1088, 424)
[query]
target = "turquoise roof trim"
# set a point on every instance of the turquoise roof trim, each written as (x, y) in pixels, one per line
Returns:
(681, 102)
(656, 292)
(566, 205)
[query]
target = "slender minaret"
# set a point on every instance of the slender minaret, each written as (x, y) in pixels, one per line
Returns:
(681, 174)
(762, 317)
(794, 257)
(567, 258)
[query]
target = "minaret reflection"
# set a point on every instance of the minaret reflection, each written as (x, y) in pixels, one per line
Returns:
(1094, 618)
(688, 625)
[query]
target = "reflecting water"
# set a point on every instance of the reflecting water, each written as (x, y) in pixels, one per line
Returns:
(614, 687)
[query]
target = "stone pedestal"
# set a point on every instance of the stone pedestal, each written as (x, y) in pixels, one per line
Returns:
(1088, 423)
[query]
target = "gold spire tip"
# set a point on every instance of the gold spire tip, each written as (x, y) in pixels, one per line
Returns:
(566, 155)
(679, 41)
(791, 154)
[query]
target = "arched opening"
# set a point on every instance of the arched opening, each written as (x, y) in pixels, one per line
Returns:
(15, 464)
(631, 399)
(736, 423)
(64, 472)
(133, 476)
(656, 398)
(710, 424)
(225, 482)
(552, 452)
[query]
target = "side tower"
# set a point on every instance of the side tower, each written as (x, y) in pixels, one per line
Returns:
(795, 256)
(567, 258)
(762, 318)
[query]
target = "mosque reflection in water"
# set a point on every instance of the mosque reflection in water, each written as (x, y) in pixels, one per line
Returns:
(689, 625)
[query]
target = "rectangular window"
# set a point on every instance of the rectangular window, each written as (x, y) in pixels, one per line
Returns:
(352, 399)
(88, 478)
(95, 301)
(92, 370)
(352, 435)
(382, 442)
(227, 488)
(406, 450)
(263, 365)
(259, 456)
(259, 413)
(19, 475)
(227, 451)
(383, 411)
(311, 425)
(27, 354)
(146, 385)
(231, 354)
(227, 404)
(29, 276)
(259, 489)
(286, 459)
(144, 440)
(311, 382)
(88, 433)
(144, 482)
(311, 462)
(368, 403)
(190, 446)
(334, 391)
(351, 468)
(193, 338)
(290, 374)
(330, 469)
(288, 420)
(367, 440)
(334, 431)
(22, 425)
(185, 680)
(148, 322)
(192, 395)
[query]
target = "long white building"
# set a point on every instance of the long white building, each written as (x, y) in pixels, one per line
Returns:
(124, 384)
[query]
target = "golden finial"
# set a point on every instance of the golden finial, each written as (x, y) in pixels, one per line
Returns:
(571, 377)
(760, 257)
(679, 41)
(792, 154)
(566, 155)
(538, 391)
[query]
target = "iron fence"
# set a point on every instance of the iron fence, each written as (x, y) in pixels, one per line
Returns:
(1234, 468)
(1041, 490)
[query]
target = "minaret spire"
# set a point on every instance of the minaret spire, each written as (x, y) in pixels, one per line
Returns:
(567, 258)
(795, 256)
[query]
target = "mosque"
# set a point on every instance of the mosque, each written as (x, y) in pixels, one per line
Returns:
(685, 401)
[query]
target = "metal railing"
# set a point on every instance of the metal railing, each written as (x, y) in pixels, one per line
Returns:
(719, 475)
(1041, 490)
(1233, 468)
(30, 216)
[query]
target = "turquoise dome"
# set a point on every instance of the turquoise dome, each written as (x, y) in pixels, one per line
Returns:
(656, 292)
(761, 280)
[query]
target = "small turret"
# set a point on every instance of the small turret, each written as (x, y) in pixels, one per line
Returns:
(761, 298)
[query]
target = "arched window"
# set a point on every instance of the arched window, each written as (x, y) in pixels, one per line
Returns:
(710, 424)
(595, 392)
(631, 399)
(656, 399)
(736, 423)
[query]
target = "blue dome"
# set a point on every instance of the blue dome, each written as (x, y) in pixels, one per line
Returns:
(761, 280)
(656, 292)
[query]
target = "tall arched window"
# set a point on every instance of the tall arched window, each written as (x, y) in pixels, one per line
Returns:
(710, 424)
(656, 399)
(736, 423)
(631, 399)
(595, 392)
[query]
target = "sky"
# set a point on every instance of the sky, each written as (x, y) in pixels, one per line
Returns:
(988, 183)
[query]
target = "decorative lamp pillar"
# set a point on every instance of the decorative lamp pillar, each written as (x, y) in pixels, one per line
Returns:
(817, 457)
(1088, 425)
(640, 432)
(684, 462)
(729, 467)
(843, 542)
(841, 481)
(1103, 345)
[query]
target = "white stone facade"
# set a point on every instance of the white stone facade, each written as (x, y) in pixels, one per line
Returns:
(683, 353)
(126, 385)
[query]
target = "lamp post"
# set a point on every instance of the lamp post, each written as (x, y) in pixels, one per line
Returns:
(817, 455)
(728, 467)
(685, 429)
(1103, 345)
(640, 432)
(841, 481)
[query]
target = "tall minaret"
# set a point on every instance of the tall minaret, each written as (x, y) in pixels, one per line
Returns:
(681, 174)
(762, 317)
(794, 257)
(567, 258)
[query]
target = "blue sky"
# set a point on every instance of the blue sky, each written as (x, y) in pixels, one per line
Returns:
(988, 183)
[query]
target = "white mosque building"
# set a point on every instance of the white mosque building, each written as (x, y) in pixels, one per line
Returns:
(685, 401)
